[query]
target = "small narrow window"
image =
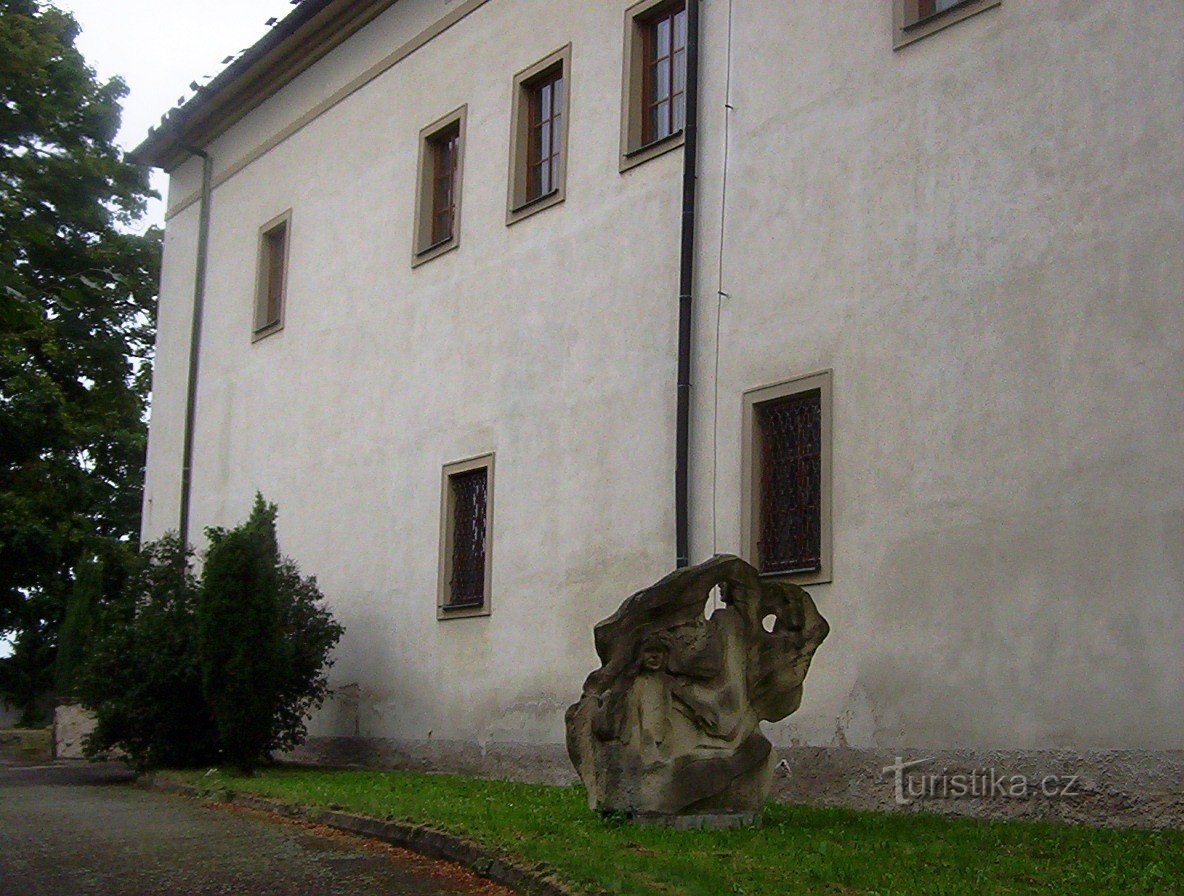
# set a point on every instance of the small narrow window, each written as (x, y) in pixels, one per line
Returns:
(538, 145)
(787, 479)
(927, 8)
(790, 526)
(272, 277)
(918, 18)
(544, 143)
(437, 226)
(665, 40)
(654, 106)
(444, 152)
(465, 538)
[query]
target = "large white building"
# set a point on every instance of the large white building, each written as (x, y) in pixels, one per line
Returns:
(934, 356)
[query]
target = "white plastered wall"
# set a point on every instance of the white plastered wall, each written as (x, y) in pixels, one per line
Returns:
(980, 235)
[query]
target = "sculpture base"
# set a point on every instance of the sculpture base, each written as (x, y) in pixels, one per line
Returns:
(712, 822)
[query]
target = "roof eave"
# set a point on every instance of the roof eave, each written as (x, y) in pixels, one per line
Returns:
(302, 38)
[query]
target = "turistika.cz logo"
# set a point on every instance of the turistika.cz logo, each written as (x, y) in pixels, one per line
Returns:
(982, 783)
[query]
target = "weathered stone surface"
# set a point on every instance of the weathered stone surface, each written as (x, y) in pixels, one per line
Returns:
(71, 725)
(670, 723)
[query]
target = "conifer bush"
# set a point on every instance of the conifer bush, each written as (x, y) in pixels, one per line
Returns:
(141, 677)
(186, 672)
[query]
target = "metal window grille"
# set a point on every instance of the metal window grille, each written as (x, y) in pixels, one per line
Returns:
(790, 434)
(470, 496)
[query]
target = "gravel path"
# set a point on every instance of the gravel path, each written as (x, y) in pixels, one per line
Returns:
(78, 830)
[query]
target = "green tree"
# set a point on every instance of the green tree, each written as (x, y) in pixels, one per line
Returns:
(174, 668)
(99, 581)
(140, 674)
(77, 301)
(239, 633)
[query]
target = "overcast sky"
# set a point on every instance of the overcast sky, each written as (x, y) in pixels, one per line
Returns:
(160, 46)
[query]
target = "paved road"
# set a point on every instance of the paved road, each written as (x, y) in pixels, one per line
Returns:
(78, 830)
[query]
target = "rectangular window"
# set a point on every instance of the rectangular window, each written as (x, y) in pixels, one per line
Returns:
(664, 90)
(544, 143)
(655, 79)
(272, 277)
(789, 530)
(915, 19)
(787, 479)
(927, 8)
(465, 538)
(444, 153)
(437, 218)
(538, 146)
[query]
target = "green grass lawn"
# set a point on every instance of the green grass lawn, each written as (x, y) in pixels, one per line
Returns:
(798, 852)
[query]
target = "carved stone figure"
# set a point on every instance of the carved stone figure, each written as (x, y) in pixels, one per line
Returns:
(669, 726)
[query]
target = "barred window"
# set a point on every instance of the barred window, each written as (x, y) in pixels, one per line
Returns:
(465, 538)
(467, 585)
(791, 484)
(787, 472)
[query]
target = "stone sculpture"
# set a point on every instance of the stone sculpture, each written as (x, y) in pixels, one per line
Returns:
(668, 729)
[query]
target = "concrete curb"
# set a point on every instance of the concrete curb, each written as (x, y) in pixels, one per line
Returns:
(529, 881)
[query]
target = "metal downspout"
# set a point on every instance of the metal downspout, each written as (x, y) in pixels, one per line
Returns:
(199, 298)
(686, 293)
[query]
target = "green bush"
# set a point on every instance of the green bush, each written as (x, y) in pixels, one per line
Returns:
(186, 673)
(260, 679)
(141, 677)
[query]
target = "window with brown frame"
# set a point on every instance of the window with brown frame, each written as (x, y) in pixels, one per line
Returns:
(466, 524)
(918, 18)
(654, 102)
(271, 283)
(445, 147)
(544, 141)
(538, 146)
(664, 37)
(466, 586)
(790, 525)
(787, 492)
(437, 224)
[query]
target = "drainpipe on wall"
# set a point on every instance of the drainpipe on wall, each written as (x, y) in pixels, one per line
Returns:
(686, 293)
(199, 298)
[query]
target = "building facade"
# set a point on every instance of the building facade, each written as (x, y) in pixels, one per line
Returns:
(439, 327)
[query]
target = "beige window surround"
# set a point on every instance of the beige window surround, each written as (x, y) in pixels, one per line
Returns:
(444, 601)
(520, 204)
(751, 472)
(911, 22)
(427, 245)
(634, 151)
(271, 276)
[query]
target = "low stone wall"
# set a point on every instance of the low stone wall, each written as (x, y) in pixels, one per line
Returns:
(1116, 788)
(9, 716)
(26, 745)
(541, 764)
(71, 723)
